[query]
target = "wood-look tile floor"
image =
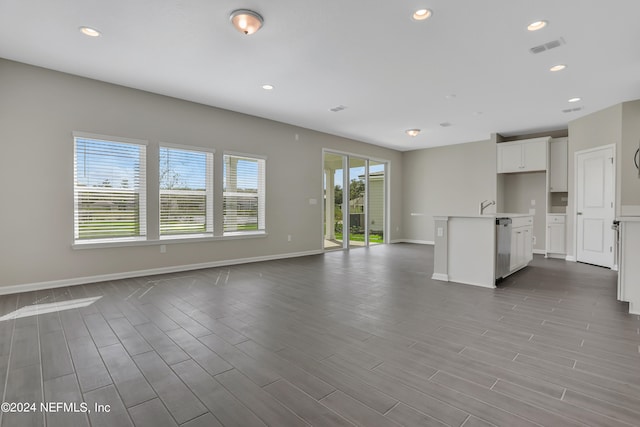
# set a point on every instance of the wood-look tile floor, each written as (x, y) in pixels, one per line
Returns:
(363, 337)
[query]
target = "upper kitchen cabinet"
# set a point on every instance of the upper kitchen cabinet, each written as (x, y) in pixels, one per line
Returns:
(558, 165)
(523, 156)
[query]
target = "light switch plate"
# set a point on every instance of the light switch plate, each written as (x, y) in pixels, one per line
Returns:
(440, 231)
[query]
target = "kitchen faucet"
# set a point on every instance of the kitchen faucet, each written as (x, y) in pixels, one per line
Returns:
(485, 204)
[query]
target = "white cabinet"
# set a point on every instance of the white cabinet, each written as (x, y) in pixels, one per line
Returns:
(558, 164)
(522, 156)
(521, 242)
(556, 242)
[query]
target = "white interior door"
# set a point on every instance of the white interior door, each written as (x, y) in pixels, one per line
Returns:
(595, 192)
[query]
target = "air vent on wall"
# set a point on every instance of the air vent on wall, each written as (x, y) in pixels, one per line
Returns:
(571, 110)
(547, 46)
(338, 108)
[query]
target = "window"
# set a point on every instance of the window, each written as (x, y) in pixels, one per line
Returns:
(109, 189)
(186, 191)
(244, 194)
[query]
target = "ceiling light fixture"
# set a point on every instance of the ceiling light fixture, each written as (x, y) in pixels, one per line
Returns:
(246, 21)
(412, 132)
(88, 31)
(558, 67)
(537, 25)
(576, 99)
(268, 87)
(421, 14)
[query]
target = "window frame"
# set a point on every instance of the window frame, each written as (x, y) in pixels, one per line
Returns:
(209, 193)
(142, 191)
(262, 191)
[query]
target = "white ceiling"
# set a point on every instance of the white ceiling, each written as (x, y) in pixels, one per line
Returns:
(391, 72)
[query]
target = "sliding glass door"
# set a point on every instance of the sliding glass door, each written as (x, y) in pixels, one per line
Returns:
(354, 201)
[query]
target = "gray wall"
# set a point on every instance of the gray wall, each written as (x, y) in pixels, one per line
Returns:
(630, 182)
(600, 128)
(446, 180)
(40, 108)
(519, 190)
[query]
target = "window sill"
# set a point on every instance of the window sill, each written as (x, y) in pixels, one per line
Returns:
(167, 240)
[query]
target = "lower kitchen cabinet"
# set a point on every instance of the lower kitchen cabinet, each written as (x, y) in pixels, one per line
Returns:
(556, 241)
(521, 243)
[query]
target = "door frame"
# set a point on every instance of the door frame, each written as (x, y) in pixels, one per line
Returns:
(575, 193)
(387, 198)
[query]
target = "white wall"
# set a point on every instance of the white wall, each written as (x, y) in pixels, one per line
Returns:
(40, 108)
(446, 181)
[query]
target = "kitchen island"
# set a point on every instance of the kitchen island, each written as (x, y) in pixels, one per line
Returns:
(466, 247)
(628, 266)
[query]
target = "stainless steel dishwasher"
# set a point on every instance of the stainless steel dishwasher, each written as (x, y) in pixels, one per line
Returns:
(503, 247)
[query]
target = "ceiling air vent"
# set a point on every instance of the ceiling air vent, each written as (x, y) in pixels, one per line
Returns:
(338, 108)
(445, 124)
(571, 110)
(547, 46)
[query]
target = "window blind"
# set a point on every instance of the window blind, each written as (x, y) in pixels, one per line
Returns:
(186, 191)
(244, 194)
(109, 189)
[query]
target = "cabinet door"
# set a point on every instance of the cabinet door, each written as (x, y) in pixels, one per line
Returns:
(527, 245)
(509, 158)
(558, 165)
(534, 155)
(514, 260)
(555, 239)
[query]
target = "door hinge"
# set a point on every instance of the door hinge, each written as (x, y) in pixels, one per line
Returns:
(611, 158)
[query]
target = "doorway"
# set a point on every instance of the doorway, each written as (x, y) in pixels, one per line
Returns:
(354, 201)
(595, 205)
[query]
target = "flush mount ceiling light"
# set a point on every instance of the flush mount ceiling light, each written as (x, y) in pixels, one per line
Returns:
(412, 132)
(537, 25)
(576, 99)
(246, 21)
(268, 87)
(558, 67)
(421, 14)
(88, 31)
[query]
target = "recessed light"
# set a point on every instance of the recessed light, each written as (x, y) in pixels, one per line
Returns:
(267, 87)
(558, 67)
(537, 25)
(421, 14)
(88, 31)
(412, 132)
(576, 99)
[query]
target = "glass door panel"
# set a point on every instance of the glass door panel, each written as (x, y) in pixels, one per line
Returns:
(334, 165)
(376, 202)
(357, 201)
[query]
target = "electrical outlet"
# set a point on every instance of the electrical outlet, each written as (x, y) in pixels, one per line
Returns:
(440, 232)
(288, 237)
(163, 249)
(534, 240)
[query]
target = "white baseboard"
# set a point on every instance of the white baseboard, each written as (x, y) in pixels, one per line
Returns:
(539, 251)
(571, 258)
(556, 256)
(29, 287)
(417, 242)
(440, 276)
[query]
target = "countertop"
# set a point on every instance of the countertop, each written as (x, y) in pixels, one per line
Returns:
(488, 215)
(628, 218)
